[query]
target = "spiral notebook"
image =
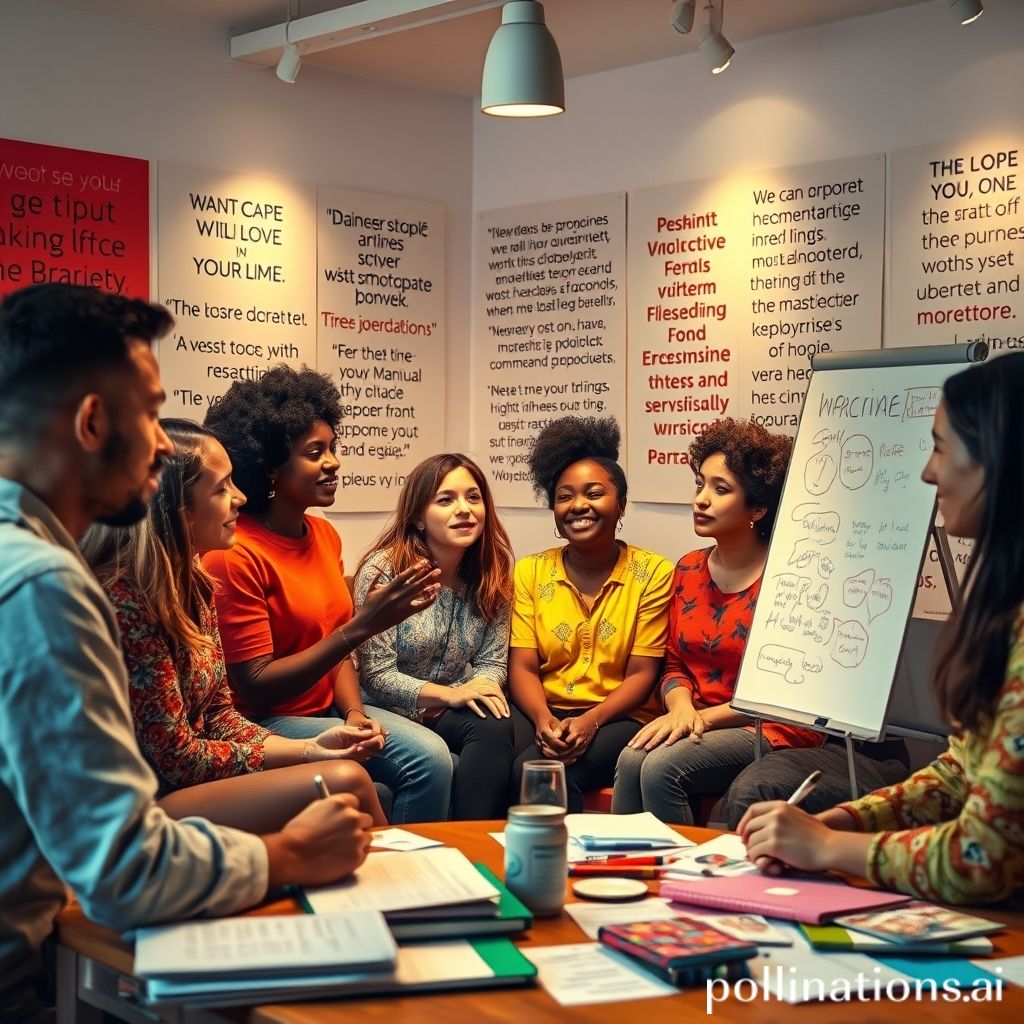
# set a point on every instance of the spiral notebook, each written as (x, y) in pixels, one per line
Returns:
(812, 901)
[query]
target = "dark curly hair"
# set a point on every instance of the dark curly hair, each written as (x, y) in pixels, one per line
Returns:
(573, 439)
(755, 456)
(259, 421)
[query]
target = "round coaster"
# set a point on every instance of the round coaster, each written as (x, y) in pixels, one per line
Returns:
(610, 890)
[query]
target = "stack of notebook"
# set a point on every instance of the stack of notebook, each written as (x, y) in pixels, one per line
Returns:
(427, 894)
(347, 946)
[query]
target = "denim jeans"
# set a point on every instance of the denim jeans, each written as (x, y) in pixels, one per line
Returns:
(415, 764)
(667, 780)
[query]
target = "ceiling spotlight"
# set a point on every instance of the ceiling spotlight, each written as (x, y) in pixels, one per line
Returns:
(967, 10)
(716, 48)
(682, 15)
(289, 64)
(523, 69)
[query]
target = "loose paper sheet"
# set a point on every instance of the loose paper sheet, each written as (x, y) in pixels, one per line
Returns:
(584, 972)
(391, 881)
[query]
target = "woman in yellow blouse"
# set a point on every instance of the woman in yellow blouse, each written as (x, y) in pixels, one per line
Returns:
(953, 832)
(590, 618)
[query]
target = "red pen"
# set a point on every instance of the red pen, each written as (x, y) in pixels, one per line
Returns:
(583, 870)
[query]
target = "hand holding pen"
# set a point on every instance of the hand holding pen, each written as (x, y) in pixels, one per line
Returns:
(778, 834)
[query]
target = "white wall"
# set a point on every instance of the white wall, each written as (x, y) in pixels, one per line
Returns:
(73, 79)
(868, 85)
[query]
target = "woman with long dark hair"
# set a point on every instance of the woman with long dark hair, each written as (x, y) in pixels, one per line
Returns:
(590, 618)
(954, 831)
(210, 760)
(446, 665)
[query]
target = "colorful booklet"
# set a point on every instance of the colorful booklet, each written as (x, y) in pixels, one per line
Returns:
(835, 938)
(919, 922)
(813, 901)
(683, 951)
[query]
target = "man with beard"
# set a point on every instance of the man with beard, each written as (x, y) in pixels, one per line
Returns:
(80, 441)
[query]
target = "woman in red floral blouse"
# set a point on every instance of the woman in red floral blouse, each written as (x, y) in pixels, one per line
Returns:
(203, 751)
(700, 744)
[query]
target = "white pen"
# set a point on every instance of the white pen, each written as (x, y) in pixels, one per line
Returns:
(805, 788)
(323, 792)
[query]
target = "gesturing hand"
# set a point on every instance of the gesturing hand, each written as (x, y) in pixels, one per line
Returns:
(355, 743)
(479, 692)
(393, 602)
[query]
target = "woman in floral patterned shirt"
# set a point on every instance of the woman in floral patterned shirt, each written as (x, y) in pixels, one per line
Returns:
(203, 751)
(953, 832)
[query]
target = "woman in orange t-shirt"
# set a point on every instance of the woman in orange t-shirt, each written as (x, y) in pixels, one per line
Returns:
(286, 616)
(700, 744)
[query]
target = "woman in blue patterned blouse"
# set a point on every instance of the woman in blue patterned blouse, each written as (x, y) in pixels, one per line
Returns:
(446, 666)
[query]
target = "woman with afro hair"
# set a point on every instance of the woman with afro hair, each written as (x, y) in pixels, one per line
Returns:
(699, 745)
(589, 620)
(285, 610)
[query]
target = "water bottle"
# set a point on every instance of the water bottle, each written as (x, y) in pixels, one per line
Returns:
(535, 857)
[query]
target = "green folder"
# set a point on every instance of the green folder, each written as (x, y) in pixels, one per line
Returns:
(509, 967)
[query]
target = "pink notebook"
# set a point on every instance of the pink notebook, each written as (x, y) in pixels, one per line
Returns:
(811, 901)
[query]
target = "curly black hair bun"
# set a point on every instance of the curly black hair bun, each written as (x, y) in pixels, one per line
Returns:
(572, 439)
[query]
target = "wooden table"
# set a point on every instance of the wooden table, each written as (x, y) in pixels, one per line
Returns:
(85, 947)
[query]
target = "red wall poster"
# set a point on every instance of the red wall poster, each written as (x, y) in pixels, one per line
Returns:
(72, 216)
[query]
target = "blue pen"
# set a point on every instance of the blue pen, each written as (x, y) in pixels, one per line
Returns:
(601, 843)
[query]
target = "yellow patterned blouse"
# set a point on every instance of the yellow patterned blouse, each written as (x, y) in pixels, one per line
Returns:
(954, 831)
(583, 655)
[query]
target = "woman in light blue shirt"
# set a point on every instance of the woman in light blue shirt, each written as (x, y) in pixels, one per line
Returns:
(446, 665)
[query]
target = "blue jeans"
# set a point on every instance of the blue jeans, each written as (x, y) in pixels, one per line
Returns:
(415, 764)
(667, 780)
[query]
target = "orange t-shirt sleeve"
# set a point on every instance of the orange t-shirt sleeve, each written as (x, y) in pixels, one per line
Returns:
(241, 606)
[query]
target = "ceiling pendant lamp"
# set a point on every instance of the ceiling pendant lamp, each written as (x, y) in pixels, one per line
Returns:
(522, 70)
(967, 10)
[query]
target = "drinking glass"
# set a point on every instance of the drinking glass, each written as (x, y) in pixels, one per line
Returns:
(543, 783)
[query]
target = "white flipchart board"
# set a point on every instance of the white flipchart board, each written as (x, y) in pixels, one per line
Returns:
(846, 550)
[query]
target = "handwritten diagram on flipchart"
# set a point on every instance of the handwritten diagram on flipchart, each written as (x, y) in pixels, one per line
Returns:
(845, 554)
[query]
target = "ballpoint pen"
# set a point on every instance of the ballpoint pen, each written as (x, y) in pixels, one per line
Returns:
(321, 787)
(602, 843)
(805, 788)
(613, 861)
